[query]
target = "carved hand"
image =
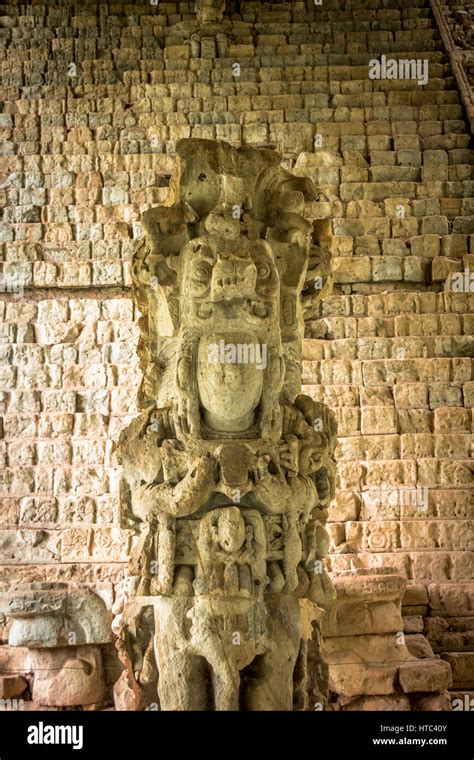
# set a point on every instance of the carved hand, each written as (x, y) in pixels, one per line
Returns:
(261, 468)
(289, 457)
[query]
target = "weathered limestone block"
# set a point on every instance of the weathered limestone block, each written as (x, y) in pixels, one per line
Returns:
(425, 675)
(415, 593)
(413, 624)
(14, 660)
(418, 646)
(126, 693)
(374, 647)
(366, 648)
(51, 615)
(228, 471)
(360, 661)
(462, 665)
(27, 545)
(449, 599)
(366, 604)
(350, 679)
(431, 702)
(380, 703)
(12, 686)
(66, 677)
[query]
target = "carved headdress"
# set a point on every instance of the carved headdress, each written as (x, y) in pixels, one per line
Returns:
(234, 216)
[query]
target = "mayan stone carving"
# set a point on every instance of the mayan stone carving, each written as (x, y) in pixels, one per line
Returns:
(209, 11)
(229, 470)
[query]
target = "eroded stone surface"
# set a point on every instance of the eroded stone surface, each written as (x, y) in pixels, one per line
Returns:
(67, 676)
(373, 661)
(12, 686)
(425, 675)
(54, 617)
(228, 470)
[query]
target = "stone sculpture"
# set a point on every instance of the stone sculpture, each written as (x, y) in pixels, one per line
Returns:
(228, 471)
(210, 11)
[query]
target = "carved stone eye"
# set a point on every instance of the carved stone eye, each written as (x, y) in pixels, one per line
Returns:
(202, 273)
(263, 270)
(259, 309)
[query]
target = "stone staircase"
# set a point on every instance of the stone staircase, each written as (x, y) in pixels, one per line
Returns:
(97, 94)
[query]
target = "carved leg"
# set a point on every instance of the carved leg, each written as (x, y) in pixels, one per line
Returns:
(183, 677)
(226, 690)
(268, 681)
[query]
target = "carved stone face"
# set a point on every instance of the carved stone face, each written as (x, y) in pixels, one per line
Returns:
(229, 384)
(231, 529)
(217, 270)
(310, 459)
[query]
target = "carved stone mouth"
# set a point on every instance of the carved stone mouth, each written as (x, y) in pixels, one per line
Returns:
(204, 310)
(236, 292)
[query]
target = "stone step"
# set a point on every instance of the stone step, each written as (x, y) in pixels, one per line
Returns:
(251, 13)
(403, 347)
(440, 116)
(415, 399)
(404, 92)
(356, 93)
(118, 352)
(314, 106)
(386, 371)
(377, 191)
(397, 304)
(407, 227)
(418, 565)
(144, 14)
(396, 45)
(368, 328)
(317, 55)
(15, 315)
(362, 436)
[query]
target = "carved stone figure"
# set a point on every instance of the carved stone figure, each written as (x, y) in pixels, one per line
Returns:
(228, 471)
(209, 11)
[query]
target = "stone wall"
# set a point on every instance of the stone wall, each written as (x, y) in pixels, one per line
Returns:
(97, 94)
